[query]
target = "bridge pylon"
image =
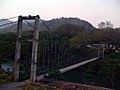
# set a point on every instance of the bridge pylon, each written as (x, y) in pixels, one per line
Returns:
(34, 47)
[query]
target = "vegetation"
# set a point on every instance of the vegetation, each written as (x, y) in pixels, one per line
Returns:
(105, 72)
(7, 45)
(55, 74)
(5, 77)
(31, 86)
(106, 24)
(67, 42)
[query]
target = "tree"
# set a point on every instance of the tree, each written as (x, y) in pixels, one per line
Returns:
(109, 24)
(81, 39)
(106, 24)
(101, 25)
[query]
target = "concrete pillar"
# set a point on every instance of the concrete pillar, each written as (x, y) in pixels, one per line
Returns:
(18, 49)
(34, 50)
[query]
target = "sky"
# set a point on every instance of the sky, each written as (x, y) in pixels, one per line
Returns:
(93, 11)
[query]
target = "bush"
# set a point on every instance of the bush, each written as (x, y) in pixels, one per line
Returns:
(56, 74)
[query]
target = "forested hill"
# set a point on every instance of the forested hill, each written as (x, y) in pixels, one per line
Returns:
(52, 24)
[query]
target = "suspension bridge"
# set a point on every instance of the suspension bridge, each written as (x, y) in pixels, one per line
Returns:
(41, 52)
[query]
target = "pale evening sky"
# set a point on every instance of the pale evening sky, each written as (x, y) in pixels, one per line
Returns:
(93, 11)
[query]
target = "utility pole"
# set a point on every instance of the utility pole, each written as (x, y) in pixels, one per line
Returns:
(34, 47)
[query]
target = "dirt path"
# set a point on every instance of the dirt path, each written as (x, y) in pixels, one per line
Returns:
(11, 86)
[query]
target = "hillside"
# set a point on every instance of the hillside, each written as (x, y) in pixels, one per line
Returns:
(4, 21)
(52, 24)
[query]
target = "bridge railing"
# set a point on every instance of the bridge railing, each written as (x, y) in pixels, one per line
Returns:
(56, 52)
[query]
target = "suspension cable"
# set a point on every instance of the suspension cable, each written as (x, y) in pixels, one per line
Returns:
(45, 25)
(8, 19)
(29, 24)
(7, 24)
(57, 57)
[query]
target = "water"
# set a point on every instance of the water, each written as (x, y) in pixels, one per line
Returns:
(9, 65)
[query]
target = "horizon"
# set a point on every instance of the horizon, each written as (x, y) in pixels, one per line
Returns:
(93, 11)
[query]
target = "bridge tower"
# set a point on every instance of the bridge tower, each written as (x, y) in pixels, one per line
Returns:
(34, 47)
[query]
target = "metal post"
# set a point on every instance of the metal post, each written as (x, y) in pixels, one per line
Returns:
(98, 50)
(103, 50)
(34, 51)
(18, 49)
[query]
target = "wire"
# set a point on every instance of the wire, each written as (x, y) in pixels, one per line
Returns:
(45, 25)
(8, 19)
(56, 56)
(29, 24)
(49, 29)
(7, 24)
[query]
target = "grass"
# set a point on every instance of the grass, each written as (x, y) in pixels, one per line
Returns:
(5, 77)
(32, 86)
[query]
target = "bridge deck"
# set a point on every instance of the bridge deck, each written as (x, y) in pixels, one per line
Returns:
(65, 69)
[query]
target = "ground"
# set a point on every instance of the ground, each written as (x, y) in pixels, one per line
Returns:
(54, 85)
(11, 86)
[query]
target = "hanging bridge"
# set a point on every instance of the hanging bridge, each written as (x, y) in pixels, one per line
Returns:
(38, 51)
